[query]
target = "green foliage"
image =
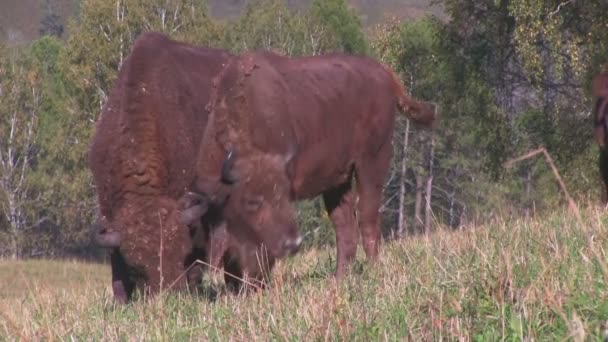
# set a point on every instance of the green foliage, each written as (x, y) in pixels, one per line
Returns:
(61, 174)
(470, 143)
(507, 76)
(271, 25)
(344, 24)
(571, 34)
(20, 97)
(102, 37)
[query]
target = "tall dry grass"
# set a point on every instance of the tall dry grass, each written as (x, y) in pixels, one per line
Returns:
(542, 279)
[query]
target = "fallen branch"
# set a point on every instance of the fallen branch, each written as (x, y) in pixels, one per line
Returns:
(571, 204)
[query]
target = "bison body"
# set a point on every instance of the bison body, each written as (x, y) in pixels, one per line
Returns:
(142, 158)
(285, 129)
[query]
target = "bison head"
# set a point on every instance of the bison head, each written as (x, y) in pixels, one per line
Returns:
(149, 236)
(255, 202)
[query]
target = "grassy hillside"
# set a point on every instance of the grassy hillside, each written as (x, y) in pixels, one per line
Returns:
(540, 280)
(20, 20)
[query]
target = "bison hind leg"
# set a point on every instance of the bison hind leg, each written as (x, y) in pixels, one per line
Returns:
(603, 166)
(340, 205)
(371, 172)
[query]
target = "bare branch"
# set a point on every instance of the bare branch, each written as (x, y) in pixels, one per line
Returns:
(571, 204)
(559, 7)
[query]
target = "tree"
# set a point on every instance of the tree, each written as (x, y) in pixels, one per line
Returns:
(271, 25)
(105, 31)
(19, 114)
(61, 176)
(51, 23)
(344, 24)
(442, 174)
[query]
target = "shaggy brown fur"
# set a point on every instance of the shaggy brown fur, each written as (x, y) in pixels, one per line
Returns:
(299, 128)
(142, 160)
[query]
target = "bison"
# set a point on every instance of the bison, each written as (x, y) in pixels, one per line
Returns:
(285, 129)
(600, 129)
(142, 158)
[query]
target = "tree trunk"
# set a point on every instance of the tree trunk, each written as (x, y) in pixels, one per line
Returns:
(402, 226)
(527, 186)
(16, 151)
(452, 219)
(418, 204)
(429, 189)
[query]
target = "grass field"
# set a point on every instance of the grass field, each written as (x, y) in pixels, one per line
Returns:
(537, 280)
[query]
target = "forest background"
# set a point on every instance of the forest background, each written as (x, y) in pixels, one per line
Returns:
(508, 76)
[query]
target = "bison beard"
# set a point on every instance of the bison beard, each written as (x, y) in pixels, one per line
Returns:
(142, 161)
(303, 127)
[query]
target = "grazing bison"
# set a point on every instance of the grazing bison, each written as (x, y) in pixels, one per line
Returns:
(143, 158)
(243, 263)
(600, 129)
(284, 129)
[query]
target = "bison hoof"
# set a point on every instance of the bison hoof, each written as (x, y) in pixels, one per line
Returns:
(292, 246)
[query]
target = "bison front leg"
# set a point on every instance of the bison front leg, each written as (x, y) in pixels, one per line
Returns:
(603, 166)
(246, 268)
(340, 205)
(233, 274)
(122, 284)
(210, 245)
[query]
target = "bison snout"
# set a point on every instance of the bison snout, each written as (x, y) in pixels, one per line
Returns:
(292, 246)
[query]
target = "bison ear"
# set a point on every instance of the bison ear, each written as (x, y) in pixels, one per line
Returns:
(193, 207)
(229, 175)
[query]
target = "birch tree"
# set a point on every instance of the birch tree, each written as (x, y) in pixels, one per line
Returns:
(19, 105)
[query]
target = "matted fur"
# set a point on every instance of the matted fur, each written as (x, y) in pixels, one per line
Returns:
(143, 155)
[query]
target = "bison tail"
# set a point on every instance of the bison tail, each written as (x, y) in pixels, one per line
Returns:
(421, 113)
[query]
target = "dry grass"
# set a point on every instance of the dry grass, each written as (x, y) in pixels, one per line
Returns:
(543, 279)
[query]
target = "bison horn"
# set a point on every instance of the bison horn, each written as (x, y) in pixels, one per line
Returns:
(107, 239)
(228, 174)
(195, 208)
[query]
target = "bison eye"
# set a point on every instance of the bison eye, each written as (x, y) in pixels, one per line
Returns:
(253, 203)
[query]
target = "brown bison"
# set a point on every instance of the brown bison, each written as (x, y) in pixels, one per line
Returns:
(284, 129)
(600, 129)
(143, 158)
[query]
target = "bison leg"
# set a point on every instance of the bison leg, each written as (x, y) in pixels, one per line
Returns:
(371, 176)
(340, 205)
(603, 164)
(233, 274)
(122, 285)
(246, 272)
(195, 272)
(218, 245)
(212, 254)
